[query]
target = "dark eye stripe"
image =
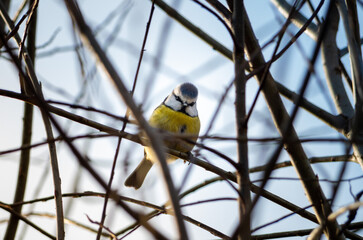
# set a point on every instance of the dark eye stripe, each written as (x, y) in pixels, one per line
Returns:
(178, 99)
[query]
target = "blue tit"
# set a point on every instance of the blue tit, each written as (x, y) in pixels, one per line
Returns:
(176, 114)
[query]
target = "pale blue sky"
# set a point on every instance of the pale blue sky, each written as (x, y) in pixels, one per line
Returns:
(184, 55)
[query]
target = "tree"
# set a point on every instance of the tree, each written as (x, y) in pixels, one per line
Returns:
(107, 65)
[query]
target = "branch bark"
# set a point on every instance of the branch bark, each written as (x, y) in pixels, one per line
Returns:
(291, 140)
(337, 122)
(194, 29)
(26, 140)
(25, 220)
(298, 19)
(331, 58)
(207, 166)
(349, 17)
(23, 171)
(156, 143)
(33, 86)
(243, 179)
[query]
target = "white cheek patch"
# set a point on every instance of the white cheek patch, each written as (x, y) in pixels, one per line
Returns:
(176, 105)
(192, 111)
(173, 103)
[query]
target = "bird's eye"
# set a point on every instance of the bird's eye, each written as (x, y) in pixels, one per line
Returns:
(177, 98)
(191, 104)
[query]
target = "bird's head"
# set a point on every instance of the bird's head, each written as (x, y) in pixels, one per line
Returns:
(183, 99)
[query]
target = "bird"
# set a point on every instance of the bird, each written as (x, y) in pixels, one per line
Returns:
(177, 114)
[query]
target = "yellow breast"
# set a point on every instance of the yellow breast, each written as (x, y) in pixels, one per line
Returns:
(172, 121)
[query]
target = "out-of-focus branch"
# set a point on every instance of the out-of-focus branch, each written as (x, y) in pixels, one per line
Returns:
(244, 200)
(339, 122)
(83, 162)
(232, 177)
(315, 234)
(207, 166)
(194, 29)
(350, 21)
(331, 56)
(158, 210)
(336, 122)
(298, 19)
(23, 170)
(71, 116)
(343, 51)
(268, 195)
(340, 158)
(127, 115)
(156, 143)
(26, 140)
(226, 175)
(20, 9)
(7, 22)
(5, 4)
(331, 59)
(33, 87)
(67, 221)
(25, 220)
(304, 232)
(291, 143)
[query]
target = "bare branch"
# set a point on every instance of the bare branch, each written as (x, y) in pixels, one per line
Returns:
(315, 234)
(351, 29)
(244, 201)
(194, 29)
(156, 143)
(25, 220)
(298, 19)
(303, 232)
(330, 57)
(32, 86)
(26, 140)
(337, 122)
(340, 123)
(283, 123)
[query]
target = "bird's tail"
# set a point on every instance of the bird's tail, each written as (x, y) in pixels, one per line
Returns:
(137, 177)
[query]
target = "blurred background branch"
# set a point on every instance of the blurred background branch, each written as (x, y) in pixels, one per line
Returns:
(87, 56)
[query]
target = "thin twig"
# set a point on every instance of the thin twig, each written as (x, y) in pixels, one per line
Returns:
(349, 17)
(284, 123)
(243, 180)
(92, 109)
(231, 176)
(25, 220)
(127, 114)
(333, 121)
(302, 232)
(33, 86)
(67, 221)
(227, 27)
(26, 140)
(298, 19)
(194, 29)
(332, 217)
(20, 9)
(45, 109)
(156, 143)
(331, 59)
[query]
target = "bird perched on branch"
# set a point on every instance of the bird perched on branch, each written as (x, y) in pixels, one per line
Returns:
(176, 114)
